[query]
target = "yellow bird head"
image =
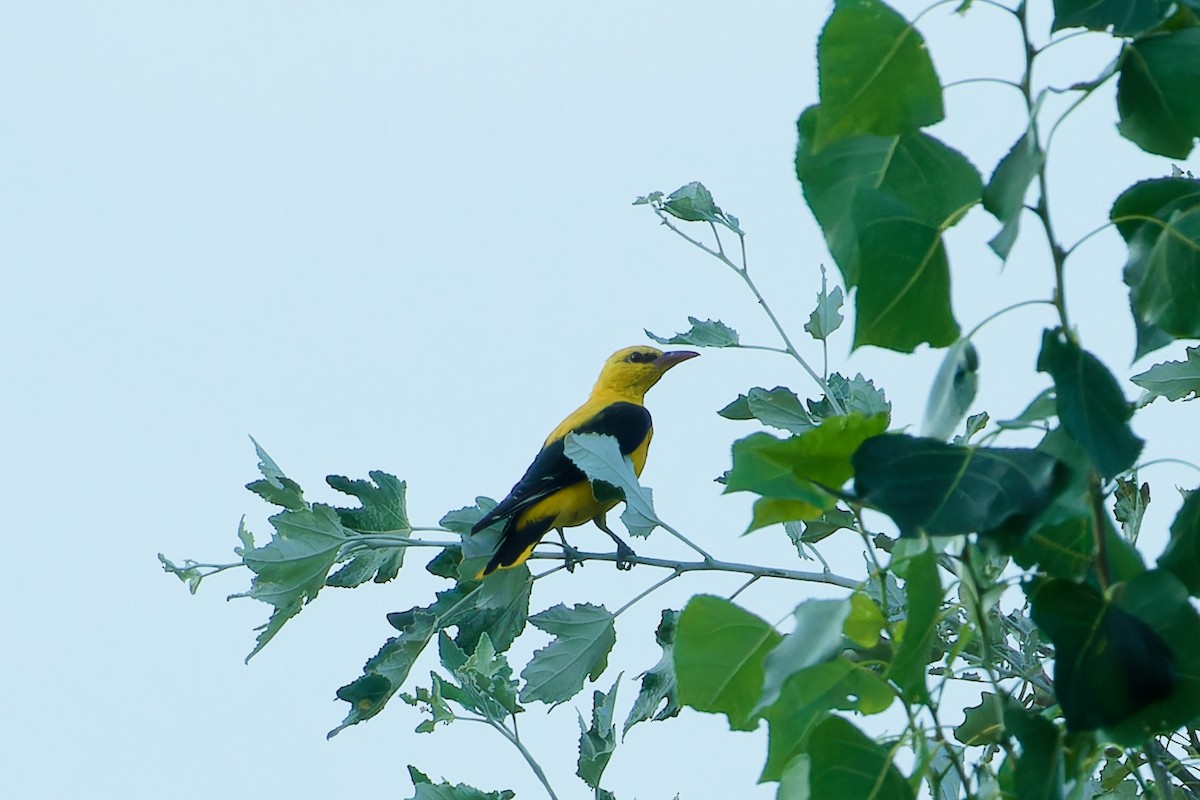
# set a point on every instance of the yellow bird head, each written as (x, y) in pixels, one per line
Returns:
(631, 372)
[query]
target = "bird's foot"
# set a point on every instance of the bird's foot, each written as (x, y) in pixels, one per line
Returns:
(625, 556)
(571, 557)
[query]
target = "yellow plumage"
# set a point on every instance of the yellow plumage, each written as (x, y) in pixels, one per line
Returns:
(554, 493)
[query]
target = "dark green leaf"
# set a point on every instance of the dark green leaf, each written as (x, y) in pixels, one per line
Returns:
(658, 682)
(826, 317)
(923, 596)
(981, 723)
(583, 637)
(1182, 556)
(1174, 380)
(1160, 221)
(386, 671)
(381, 564)
(719, 654)
(944, 490)
(428, 790)
(858, 395)
(1004, 196)
(814, 530)
(703, 333)
(1123, 17)
(845, 762)
(799, 468)
(1109, 664)
(1039, 773)
(875, 74)
(1156, 93)
(293, 566)
(882, 204)
(953, 390)
(809, 697)
(1091, 405)
(817, 638)
(499, 608)
(597, 743)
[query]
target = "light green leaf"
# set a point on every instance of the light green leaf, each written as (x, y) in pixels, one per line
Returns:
(857, 396)
(658, 682)
(817, 638)
(600, 458)
(953, 390)
(703, 333)
(793, 784)
(1130, 506)
(1156, 93)
(597, 743)
(826, 317)
(1090, 404)
(809, 697)
(875, 74)
(865, 622)
(845, 762)
(583, 637)
(779, 408)
(428, 790)
(292, 567)
(1174, 380)
(275, 487)
(719, 654)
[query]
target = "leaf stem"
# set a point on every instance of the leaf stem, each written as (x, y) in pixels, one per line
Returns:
(663, 582)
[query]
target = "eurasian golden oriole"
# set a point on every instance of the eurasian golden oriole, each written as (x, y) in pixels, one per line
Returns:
(554, 493)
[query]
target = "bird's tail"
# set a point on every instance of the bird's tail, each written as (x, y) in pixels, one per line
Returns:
(516, 543)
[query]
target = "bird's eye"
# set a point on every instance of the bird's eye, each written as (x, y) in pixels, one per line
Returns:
(639, 358)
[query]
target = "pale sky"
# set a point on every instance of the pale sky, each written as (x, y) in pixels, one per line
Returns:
(399, 236)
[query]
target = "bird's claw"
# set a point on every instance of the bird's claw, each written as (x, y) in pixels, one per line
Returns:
(571, 557)
(625, 557)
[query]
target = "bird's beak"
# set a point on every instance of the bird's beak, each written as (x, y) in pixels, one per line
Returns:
(670, 359)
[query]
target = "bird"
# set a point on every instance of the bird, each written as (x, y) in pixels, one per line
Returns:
(554, 493)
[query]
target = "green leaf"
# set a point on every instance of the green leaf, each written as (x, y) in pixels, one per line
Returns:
(1039, 772)
(383, 509)
(802, 467)
(275, 487)
(1124, 17)
(1182, 556)
(814, 530)
(499, 608)
(793, 783)
(953, 390)
(293, 566)
(600, 458)
(1091, 405)
(1156, 94)
(386, 671)
(883, 203)
(865, 622)
(428, 790)
(485, 683)
(980, 724)
(1160, 222)
(779, 408)
(1040, 409)
(1174, 380)
(706, 333)
(692, 203)
(583, 637)
(875, 74)
(845, 762)
(923, 596)
(381, 565)
(857, 396)
(826, 317)
(816, 638)
(1130, 506)
(1109, 664)
(719, 654)
(975, 423)
(597, 743)
(945, 490)
(809, 697)
(1004, 195)
(658, 698)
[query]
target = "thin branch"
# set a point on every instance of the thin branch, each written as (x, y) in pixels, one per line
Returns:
(516, 742)
(661, 583)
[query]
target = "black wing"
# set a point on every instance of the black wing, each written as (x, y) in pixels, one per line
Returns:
(629, 423)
